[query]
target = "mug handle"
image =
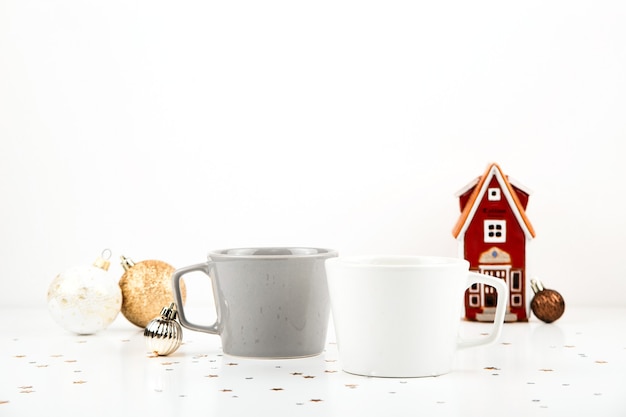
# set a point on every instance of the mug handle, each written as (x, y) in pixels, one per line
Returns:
(503, 295)
(176, 277)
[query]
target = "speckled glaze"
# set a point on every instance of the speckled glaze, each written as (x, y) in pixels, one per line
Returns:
(271, 302)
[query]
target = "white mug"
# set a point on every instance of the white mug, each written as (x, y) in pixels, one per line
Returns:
(399, 316)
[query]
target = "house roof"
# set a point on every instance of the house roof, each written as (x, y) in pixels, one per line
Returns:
(480, 185)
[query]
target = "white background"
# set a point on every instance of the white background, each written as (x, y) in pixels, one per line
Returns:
(162, 130)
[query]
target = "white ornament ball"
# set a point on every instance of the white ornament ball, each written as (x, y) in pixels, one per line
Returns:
(84, 299)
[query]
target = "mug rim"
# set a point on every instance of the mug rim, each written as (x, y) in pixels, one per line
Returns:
(271, 252)
(398, 261)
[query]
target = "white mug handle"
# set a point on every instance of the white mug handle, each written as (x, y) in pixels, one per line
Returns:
(503, 296)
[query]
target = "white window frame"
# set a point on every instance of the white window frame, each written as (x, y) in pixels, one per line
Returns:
(495, 226)
(516, 300)
(494, 194)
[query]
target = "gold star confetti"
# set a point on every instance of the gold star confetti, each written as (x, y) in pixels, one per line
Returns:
(601, 362)
(316, 400)
(226, 390)
(277, 389)
(296, 373)
(70, 361)
(328, 371)
(308, 376)
(491, 368)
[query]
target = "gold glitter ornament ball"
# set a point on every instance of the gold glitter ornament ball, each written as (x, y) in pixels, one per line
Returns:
(146, 287)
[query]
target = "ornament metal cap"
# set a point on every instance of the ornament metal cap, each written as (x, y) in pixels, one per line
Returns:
(170, 312)
(536, 285)
(103, 260)
(127, 263)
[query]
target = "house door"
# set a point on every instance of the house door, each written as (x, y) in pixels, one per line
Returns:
(490, 296)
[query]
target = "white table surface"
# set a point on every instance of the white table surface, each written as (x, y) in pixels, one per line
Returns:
(573, 367)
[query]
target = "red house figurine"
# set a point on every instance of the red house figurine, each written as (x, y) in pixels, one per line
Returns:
(493, 232)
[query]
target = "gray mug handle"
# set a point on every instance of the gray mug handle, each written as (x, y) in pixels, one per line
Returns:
(176, 277)
(503, 296)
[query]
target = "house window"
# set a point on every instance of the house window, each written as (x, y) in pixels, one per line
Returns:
(474, 300)
(516, 281)
(493, 194)
(516, 300)
(495, 231)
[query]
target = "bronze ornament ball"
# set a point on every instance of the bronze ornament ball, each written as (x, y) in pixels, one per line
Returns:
(146, 287)
(548, 305)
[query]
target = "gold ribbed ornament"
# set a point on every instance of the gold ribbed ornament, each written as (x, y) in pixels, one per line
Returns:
(146, 287)
(163, 334)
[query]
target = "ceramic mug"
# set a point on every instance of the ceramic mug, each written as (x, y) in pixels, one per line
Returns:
(399, 316)
(270, 302)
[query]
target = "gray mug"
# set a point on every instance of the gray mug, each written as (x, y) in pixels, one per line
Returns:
(270, 302)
